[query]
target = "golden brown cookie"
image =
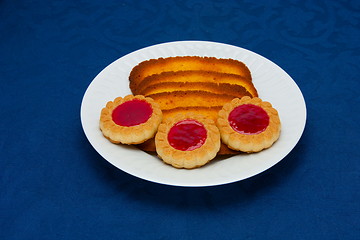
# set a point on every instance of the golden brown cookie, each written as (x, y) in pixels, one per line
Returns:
(248, 124)
(187, 141)
(130, 120)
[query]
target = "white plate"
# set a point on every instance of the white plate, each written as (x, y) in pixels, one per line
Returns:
(273, 85)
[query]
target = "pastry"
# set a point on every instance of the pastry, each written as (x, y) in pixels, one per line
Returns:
(248, 124)
(196, 85)
(174, 64)
(130, 120)
(187, 141)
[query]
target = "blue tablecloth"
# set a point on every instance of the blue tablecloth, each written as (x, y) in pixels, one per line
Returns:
(54, 185)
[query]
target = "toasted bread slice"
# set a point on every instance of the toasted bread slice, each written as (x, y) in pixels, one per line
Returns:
(220, 82)
(174, 64)
(209, 112)
(170, 100)
(221, 88)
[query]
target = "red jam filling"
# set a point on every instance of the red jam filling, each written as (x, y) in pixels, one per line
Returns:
(132, 113)
(248, 119)
(187, 135)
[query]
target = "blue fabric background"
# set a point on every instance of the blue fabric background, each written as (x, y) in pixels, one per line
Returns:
(54, 185)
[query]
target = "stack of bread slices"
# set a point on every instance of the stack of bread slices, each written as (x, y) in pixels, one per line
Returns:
(201, 85)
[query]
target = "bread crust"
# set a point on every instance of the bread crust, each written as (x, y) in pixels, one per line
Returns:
(249, 142)
(187, 159)
(132, 134)
(218, 88)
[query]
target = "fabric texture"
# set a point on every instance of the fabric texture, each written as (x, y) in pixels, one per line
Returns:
(54, 185)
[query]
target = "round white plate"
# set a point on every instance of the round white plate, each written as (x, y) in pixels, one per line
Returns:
(273, 85)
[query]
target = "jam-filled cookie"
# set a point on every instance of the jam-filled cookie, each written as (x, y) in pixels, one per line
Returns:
(248, 124)
(187, 141)
(130, 120)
